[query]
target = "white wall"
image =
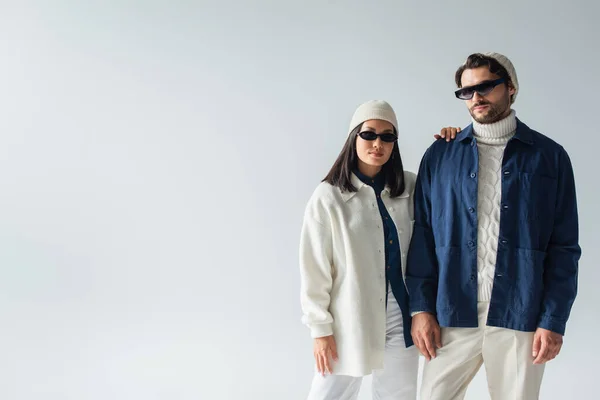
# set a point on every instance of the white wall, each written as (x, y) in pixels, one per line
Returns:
(156, 157)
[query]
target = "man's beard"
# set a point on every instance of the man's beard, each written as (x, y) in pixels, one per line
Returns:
(495, 113)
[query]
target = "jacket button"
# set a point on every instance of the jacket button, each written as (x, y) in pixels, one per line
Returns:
(471, 243)
(506, 172)
(471, 209)
(504, 241)
(473, 175)
(472, 277)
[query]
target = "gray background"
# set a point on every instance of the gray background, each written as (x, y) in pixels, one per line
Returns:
(156, 157)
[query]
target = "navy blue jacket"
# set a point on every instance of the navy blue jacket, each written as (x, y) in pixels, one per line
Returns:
(535, 280)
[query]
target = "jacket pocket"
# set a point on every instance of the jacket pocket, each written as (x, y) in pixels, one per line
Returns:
(528, 281)
(537, 196)
(448, 280)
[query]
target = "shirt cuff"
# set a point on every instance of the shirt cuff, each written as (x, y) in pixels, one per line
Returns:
(412, 314)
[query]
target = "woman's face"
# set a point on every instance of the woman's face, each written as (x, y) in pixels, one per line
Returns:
(373, 154)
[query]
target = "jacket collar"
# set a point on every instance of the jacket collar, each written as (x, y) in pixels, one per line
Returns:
(523, 133)
(360, 185)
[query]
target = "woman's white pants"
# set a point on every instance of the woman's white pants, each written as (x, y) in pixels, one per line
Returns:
(396, 381)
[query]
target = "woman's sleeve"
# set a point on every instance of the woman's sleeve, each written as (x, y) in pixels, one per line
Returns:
(316, 264)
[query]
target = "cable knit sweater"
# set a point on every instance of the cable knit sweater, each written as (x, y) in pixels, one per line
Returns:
(491, 142)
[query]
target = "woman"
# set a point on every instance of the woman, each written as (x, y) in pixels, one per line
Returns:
(356, 231)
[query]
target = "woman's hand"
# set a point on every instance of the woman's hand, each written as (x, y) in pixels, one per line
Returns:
(448, 133)
(325, 352)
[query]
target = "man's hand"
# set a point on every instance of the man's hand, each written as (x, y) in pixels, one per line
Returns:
(325, 351)
(426, 334)
(546, 345)
(449, 133)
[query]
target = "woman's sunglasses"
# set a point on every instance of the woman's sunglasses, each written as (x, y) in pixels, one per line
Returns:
(385, 137)
(484, 88)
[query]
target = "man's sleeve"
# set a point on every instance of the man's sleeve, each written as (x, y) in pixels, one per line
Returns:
(422, 267)
(563, 253)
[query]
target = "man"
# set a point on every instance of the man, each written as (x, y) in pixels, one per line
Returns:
(494, 254)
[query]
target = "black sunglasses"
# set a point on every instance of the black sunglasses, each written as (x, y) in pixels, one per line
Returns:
(483, 89)
(385, 137)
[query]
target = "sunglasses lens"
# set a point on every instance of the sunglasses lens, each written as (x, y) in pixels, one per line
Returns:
(366, 135)
(385, 137)
(388, 137)
(485, 88)
(465, 94)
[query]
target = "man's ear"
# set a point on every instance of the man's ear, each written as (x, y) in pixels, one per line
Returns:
(511, 89)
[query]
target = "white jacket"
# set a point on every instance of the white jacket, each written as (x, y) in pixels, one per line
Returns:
(342, 269)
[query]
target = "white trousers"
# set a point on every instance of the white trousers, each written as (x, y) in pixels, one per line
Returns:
(506, 354)
(396, 381)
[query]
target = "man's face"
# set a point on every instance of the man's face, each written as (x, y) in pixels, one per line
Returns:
(492, 107)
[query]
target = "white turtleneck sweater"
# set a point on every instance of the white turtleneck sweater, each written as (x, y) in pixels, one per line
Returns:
(491, 142)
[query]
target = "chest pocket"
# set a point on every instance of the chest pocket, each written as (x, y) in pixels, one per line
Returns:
(537, 196)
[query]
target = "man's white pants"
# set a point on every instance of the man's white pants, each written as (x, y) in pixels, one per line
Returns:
(506, 354)
(396, 381)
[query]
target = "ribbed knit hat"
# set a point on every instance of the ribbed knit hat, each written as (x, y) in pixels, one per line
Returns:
(509, 67)
(373, 109)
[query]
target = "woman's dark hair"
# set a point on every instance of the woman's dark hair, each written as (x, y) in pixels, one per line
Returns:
(479, 60)
(340, 174)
